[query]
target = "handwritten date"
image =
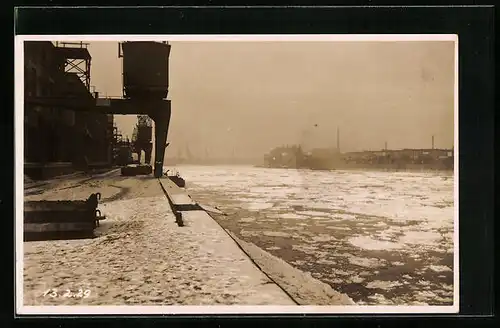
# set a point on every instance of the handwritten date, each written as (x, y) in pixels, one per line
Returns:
(68, 293)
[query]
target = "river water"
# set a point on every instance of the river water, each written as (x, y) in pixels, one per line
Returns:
(383, 238)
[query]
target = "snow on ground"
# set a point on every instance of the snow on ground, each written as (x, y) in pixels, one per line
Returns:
(403, 219)
(141, 256)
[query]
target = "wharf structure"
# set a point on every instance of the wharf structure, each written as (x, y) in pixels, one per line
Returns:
(70, 128)
(57, 138)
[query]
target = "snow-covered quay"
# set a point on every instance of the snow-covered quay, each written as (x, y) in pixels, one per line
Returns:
(141, 257)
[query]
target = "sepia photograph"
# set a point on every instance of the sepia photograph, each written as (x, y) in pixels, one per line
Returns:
(236, 174)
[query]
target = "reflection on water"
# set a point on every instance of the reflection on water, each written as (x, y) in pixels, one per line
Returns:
(382, 238)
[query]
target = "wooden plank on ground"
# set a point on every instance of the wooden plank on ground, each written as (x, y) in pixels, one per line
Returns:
(58, 227)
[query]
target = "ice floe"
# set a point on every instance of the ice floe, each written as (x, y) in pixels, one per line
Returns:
(373, 244)
(275, 234)
(246, 220)
(382, 284)
(439, 268)
(256, 206)
(367, 262)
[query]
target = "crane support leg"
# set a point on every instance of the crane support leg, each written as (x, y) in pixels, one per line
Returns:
(147, 153)
(162, 122)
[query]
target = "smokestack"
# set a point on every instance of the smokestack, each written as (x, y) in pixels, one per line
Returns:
(432, 142)
(385, 146)
(338, 139)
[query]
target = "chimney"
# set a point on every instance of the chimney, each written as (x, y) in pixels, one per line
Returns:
(338, 139)
(432, 142)
(385, 146)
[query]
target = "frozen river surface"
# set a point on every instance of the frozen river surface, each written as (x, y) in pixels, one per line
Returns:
(383, 238)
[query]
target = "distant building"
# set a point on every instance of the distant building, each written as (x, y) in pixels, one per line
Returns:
(284, 157)
(402, 156)
(331, 158)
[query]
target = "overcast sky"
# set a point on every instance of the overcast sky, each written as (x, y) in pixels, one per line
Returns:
(257, 95)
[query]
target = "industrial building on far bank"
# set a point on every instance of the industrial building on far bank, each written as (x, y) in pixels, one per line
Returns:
(386, 159)
(330, 159)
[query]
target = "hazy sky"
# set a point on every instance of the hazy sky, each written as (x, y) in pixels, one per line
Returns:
(257, 95)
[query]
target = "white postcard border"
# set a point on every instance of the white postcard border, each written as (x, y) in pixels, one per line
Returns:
(222, 309)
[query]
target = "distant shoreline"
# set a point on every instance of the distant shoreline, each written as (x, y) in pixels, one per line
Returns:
(369, 168)
(359, 168)
(390, 170)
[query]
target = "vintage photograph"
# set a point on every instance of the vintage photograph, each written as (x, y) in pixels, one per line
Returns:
(202, 174)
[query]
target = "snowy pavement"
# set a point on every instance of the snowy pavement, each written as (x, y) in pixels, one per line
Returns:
(141, 256)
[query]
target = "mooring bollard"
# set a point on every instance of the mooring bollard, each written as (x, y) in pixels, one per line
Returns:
(178, 219)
